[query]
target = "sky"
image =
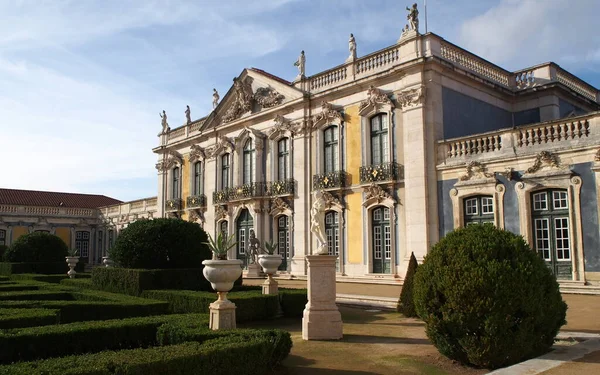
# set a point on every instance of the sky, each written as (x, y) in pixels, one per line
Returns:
(82, 82)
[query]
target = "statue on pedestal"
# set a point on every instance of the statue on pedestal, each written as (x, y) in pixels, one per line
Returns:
(317, 222)
(352, 47)
(188, 115)
(413, 17)
(215, 98)
(253, 247)
(164, 123)
(301, 64)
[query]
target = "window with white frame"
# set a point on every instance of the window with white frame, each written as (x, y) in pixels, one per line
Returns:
(248, 162)
(478, 210)
(176, 192)
(82, 243)
(331, 149)
(197, 185)
(283, 239)
(332, 233)
(224, 171)
(380, 152)
(283, 156)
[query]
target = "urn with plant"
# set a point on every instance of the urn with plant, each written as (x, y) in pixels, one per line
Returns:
(72, 259)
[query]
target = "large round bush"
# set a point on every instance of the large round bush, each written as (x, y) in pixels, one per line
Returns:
(487, 299)
(37, 247)
(160, 244)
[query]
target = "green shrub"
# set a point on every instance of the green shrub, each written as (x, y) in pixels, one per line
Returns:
(487, 299)
(54, 279)
(85, 283)
(135, 281)
(161, 244)
(406, 304)
(250, 306)
(38, 295)
(293, 302)
(48, 268)
(3, 249)
(37, 247)
(4, 278)
(14, 287)
(85, 337)
(20, 318)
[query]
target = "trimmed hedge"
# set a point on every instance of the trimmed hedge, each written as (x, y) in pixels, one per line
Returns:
(135, 281)
(251, 305)
(226, 355)
(4, 278)
(86, 337)
(293, 302)
(37, 247)
(48, 268)
(38, 295)
(161, 244)
(78, 283)
(406, 304)
(487, 299)
(14, 287)
(19, 318)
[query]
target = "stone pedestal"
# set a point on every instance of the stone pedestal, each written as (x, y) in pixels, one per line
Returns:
(222, 313)
(322, 319)
(254, 270)
(270, 286)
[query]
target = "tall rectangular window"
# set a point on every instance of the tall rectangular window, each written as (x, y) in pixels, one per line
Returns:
(249, 160)
(283, 155)
(82, 243)
(176, 185)
(198, 178)
(224, 171)
(2, 237)
(379, 140)
(331, 149)
(478, 210)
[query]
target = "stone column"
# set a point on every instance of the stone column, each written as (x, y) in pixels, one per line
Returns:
(301, 172)
(162, 189)
(322, 319)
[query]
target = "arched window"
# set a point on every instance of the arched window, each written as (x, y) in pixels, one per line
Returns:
(332, 232)
(197, 188)
(249, 161)
(380, 152)
(382, 240)
(478, 210)
(283, 156)
(283, 239)
(2, 237)
(244, 224)
(223, 228)
(550, 217)
(224, 171)
(331, 148)
(176, 184)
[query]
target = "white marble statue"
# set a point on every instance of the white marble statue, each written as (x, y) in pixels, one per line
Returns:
(164, 123)
(188, 117)
(215, 98)
(317, 222)
(352, 47)
(301, 64)
(413, 17)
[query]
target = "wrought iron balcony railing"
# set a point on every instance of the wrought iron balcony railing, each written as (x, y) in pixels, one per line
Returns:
(381, 172)
(221, 196)
(282, 187)
(173, 204)
(251, 190)
(195, 201)
(336, 179)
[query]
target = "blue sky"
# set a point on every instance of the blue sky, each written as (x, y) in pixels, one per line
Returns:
(82, 81)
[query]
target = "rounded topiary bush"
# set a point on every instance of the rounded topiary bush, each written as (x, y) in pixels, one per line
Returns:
(161, 244)
(487, 299)
(37, 247)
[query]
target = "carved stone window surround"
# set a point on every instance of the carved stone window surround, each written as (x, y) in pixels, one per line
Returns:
(258, 139)
(282, 129)
(279, 207)
(320, 122)
(411, 98)
(376, 103)
(375, 196)
(333, 203)
(197, 154)
(466, 189)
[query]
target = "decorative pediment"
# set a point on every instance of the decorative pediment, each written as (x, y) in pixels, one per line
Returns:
(508, 173)
(375, 100)
(196, 153)
(242, 101)
(411, 97)
(267, 97)
(224, 144)
(375, 193)
(476, 171)
(543, 161)
(173, 158)
(195, 215)
(249, 133)
(221, 212)
(328, 115)
(279, 206)
(331, 200)
(281, 127)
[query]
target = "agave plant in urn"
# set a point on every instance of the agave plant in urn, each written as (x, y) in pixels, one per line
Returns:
(222, 273)
(72, 260)
(270, 262)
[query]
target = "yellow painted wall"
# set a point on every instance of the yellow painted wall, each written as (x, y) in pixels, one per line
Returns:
(355, 229)
(353, 146)
(65, 235)
(185, 178)
(18, 232)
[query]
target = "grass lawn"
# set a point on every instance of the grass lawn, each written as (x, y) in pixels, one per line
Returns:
(375, 342)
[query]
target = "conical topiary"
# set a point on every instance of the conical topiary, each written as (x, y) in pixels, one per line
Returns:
(406, 306)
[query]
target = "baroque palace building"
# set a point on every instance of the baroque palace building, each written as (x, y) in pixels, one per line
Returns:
(408, 143)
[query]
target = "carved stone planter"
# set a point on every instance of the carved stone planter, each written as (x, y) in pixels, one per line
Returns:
(108, 263)
(72, 262)
(270, 263)
(222, 274)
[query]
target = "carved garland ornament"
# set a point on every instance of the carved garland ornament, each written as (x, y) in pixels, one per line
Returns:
(173, 158)
(544, 157)
(476, 171)
(330, 200)
(278, 205)
(411, 97)
(267, 97)
(376, 192)
(220, 212)
(375, 97)
(327, 114)
(195, 215)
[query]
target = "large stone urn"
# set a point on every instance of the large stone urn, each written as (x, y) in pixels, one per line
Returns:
(222, 274)
(270, 264)
(108, 263)
(72, 262)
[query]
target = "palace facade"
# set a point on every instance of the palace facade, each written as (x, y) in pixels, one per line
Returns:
(408, 143)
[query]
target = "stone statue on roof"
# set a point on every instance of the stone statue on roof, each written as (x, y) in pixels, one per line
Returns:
(188, 114)
(352, 47)
(413, 17)
(301, 64)
(215, 98)
(164, 123)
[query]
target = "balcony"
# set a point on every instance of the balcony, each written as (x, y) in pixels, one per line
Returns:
(283, 187)
(196, 201)
(245, 191)
(381, 173)
(221, 196)
(331, 180)
(173, 204)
